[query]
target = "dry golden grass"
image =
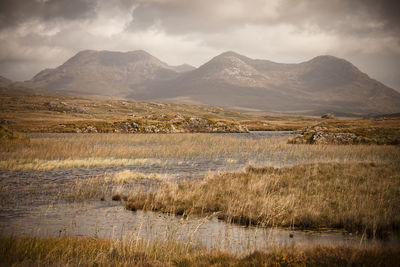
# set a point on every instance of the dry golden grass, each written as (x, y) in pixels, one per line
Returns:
(359, 197)
(127, 176)
(87, 189)
(53, 151)
(29, 251)
(46, 165)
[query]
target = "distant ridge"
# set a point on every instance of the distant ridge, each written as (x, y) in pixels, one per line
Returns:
(4, 82)
(229, 80)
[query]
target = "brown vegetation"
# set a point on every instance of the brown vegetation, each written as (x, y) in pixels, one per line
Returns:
(30, 251)
(52, 151)
(358, 197)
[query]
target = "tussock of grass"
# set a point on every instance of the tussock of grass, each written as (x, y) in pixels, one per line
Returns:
(355, 196)
(29, 251)
(126, 176)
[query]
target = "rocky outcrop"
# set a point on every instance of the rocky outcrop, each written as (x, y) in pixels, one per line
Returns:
(322, 136)
(183, 125)
(203, 125)
(328, 116)
(326, 138)
(66, 108)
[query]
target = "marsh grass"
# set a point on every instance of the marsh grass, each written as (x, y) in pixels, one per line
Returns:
(110, 185)
(86, 189)
(46, 165)
(357, 197)
(69, 251)
(54, 151)
(126, 176)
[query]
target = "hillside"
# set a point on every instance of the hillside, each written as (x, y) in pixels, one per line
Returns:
(105, 73)
(4, 82)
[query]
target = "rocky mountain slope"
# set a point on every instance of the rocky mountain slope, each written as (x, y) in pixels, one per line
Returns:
(323, 84)
(230, 80)
(106, 73)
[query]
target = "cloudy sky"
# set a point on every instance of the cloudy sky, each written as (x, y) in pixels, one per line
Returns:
(38, 34)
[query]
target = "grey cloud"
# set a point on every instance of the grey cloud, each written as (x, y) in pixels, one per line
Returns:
(357, 17)
(14, 12)
(342, 16)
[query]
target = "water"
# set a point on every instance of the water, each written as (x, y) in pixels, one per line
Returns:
(111, 220)
(31, 205)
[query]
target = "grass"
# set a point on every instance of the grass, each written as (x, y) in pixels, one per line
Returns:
(357, 197)
(46, 165)
(68, 251)
(104, 187)
(55, 151)
(86, 189)
(126, 176)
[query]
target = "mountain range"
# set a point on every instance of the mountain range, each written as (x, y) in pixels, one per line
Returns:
(229, 80)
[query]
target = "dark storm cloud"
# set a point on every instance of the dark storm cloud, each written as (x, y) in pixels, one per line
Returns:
(347, 16)
(14, 12)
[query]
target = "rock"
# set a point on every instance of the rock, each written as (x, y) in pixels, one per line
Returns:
(325, 138)
(243, 129)
(178, 117)
(78, 109)
(333, 138)
(135, 126)
(328, 116)
(194, 123)
(151, 129)
(173, 129)
(91, 129)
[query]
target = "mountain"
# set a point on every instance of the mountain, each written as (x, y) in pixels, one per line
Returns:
(229, 80)
(105, 73)
(4, 82)
(323, 84)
